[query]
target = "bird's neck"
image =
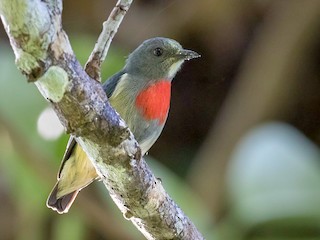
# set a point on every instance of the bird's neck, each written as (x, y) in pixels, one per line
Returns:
(154, 100)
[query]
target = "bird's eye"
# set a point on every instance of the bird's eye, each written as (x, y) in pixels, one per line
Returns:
(158, 52)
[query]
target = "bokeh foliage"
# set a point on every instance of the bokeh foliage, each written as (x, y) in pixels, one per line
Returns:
(240, 150)
(29, 166)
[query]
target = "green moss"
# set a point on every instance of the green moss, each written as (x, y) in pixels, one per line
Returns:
(53, 83)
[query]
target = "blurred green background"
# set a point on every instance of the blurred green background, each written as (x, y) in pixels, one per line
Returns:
(240, 150)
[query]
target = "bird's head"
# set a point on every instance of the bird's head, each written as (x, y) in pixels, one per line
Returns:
(158, 58)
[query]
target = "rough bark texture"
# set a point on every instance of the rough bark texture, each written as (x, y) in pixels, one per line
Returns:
(43, 53)
(110, 27)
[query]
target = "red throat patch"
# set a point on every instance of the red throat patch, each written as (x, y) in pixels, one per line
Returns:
(154, 101)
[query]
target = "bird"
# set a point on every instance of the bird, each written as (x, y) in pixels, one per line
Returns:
(140, 93)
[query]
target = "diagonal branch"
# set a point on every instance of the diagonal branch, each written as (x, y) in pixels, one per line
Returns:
(43, 53)
(110, 28)
(95, 216)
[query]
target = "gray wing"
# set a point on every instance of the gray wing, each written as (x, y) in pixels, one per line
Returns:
(110, 85)
(69, 149)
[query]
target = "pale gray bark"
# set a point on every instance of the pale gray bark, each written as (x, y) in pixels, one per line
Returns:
(43, 53)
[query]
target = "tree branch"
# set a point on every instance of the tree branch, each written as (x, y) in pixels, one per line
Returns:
(95, 216)
(110, 28)
(43, 53)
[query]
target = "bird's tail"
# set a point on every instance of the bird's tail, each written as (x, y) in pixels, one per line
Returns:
(63, 203)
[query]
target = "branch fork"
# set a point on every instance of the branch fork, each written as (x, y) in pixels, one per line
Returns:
(44, 54)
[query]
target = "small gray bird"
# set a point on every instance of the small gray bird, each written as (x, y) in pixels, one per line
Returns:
(140, 93)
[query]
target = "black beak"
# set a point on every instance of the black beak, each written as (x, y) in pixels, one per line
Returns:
(188, 54)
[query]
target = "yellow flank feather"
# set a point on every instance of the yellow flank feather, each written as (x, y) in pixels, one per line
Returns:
(77, 173)
(154, 61)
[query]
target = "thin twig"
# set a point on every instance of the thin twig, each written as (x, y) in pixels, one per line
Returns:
(110, 28)
(82, 106)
